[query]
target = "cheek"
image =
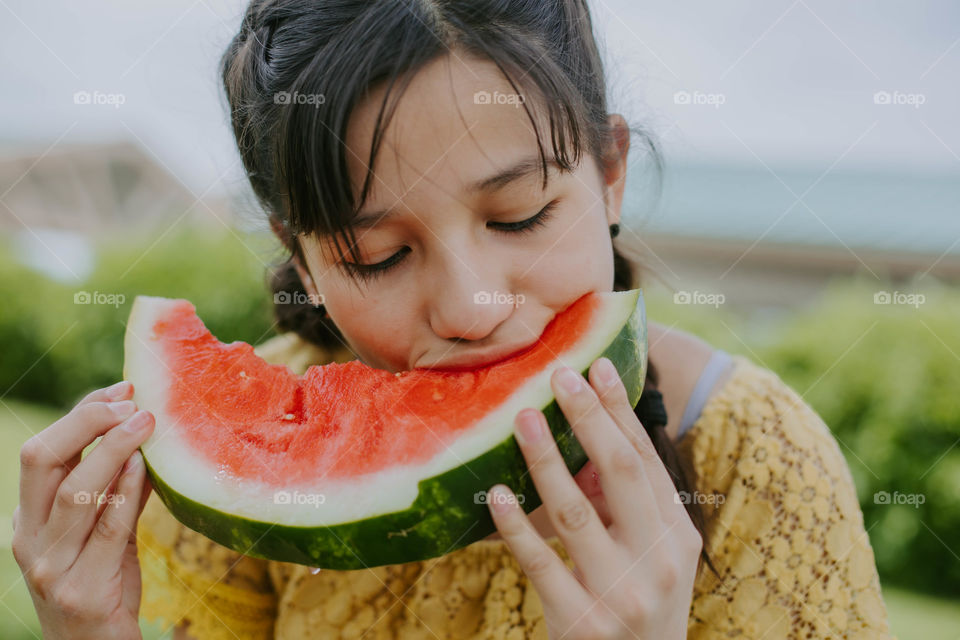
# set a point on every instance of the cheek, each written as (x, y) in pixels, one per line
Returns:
(575, 258)
(375, 325)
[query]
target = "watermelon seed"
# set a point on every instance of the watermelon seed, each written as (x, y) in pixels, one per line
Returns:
(437, 396)
(243, 375)
(289, 416)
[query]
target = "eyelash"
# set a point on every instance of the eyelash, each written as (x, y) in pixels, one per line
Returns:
(369, 272)
(530, 224)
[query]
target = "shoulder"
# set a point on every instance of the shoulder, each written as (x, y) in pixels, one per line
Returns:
(783, 518)
(758, 403)
(756, 410)
(293, 351)
(679, 358)
(759, 443)
(688, 349)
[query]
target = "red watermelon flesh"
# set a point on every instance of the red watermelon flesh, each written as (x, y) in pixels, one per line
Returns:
(241, 413)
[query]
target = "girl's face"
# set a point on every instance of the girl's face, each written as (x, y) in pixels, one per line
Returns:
(472, 272)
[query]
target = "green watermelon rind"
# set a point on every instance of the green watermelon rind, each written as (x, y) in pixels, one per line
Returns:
(445, 516)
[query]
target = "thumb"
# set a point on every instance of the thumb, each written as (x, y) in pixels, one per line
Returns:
(130, 566)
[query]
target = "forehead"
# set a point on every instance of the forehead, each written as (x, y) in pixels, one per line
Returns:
(458, 120)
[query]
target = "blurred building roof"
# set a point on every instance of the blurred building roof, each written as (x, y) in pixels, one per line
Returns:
(778, 274)
(89, 187)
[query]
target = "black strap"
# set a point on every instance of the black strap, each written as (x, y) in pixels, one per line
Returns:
(650, 409)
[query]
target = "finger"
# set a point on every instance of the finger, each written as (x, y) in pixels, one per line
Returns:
(145, 494)
(109, 491)
(561, 593)
(102, 554)
(574, 518)
(78, 500)
(625, 485)
(46, 457)
(613, 396)
(122, 390)
(130, 564)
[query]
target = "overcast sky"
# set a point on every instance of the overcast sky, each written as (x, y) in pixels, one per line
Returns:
(755, 81)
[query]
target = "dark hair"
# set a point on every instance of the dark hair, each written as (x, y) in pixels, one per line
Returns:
(294, 154)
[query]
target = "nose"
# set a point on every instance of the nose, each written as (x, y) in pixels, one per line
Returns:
(468, 299)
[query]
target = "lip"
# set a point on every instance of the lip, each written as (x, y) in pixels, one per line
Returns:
(479, 359)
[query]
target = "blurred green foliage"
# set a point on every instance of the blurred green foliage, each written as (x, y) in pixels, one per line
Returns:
(884, 378)
(56, 350)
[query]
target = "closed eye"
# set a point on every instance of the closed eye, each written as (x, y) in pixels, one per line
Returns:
(368, 272)
(526, 225)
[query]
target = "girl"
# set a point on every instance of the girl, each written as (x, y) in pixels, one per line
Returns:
(399, 151)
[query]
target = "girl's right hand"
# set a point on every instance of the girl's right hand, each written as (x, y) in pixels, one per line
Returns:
(75, 527)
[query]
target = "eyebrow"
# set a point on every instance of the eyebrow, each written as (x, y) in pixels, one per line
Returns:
(494, 182)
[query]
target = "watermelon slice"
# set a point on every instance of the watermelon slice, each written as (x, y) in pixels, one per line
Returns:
(348, 466)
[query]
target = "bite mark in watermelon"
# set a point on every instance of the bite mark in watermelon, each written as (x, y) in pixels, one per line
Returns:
(348, 466)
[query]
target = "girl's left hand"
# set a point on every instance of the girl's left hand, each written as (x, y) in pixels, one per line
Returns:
(633, 578)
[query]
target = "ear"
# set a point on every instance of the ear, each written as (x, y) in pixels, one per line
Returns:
(305, 278)
(614, 167)
(279, 230)
(292, 245)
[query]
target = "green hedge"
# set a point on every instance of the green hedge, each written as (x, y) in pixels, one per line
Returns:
(55, 350)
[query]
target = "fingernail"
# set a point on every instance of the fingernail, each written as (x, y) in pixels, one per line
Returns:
(117, 390)
(607, 372)
(123, 409)
(499, 498)
(133, 462)
(314, 570)
(138, 422)
(529, 428)
(570, 380)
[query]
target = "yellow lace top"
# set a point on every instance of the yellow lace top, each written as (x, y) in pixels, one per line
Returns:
(788, 540)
